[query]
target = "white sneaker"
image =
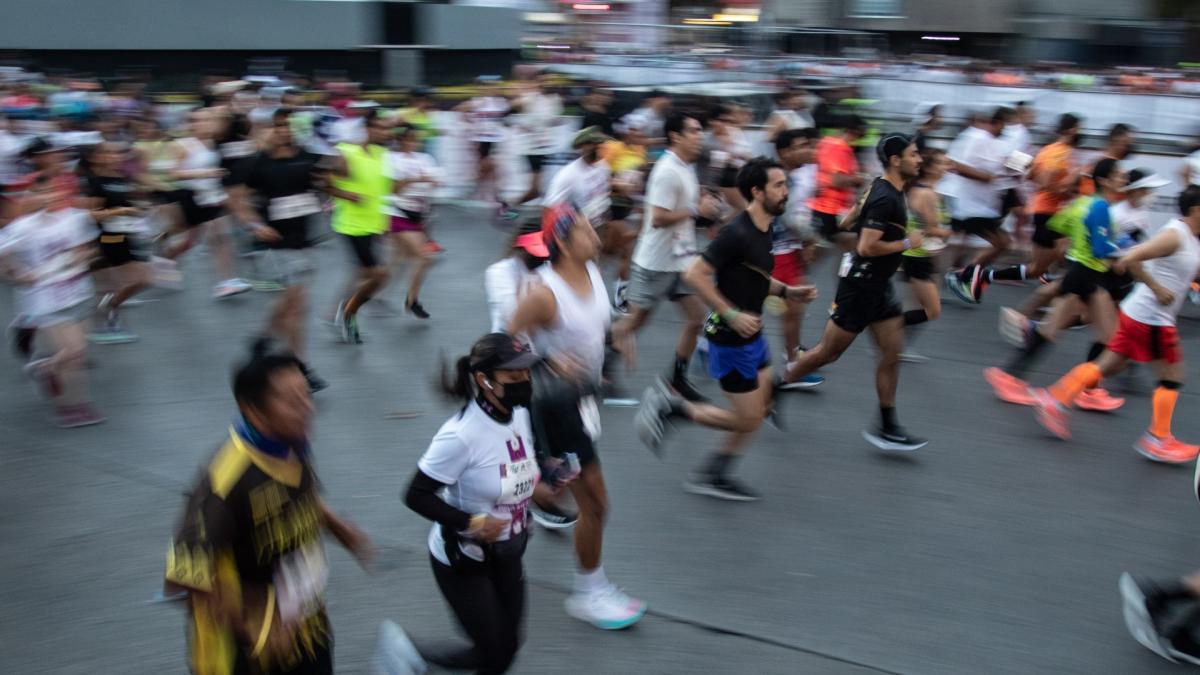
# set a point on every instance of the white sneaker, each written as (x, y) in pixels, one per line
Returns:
(395, 654)
(1014, 326)
(608, 608)
(231, 287)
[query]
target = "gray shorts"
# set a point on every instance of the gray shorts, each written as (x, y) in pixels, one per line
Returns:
(649, 287)
(288, 266)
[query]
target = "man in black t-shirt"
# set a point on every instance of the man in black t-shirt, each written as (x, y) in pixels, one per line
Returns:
(733, 276)
(284, 180)
(864, 293)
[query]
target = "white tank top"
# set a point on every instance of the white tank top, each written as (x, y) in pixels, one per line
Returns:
(581, 324)
(1175, 272)
(199, 156)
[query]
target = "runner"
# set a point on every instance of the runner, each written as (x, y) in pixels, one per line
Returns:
(415, 175)
(926, 213)
(791, 112)
(733, 276)
(284, 181)
(123, 264)
(1147, 333)
(475, 482)
(48, 251)
(667, 247)
(567, 316)
(486, 114)
(865, 298)
(728, 152)
(1161, 616)
(1088, 284)
(541, 113)
(248, 550)
(359, 190)
(202, 198)
(837, 181)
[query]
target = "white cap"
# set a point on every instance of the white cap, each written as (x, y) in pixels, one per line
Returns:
(1144, 178)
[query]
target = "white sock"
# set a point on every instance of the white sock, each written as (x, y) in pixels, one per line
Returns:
(590, 582)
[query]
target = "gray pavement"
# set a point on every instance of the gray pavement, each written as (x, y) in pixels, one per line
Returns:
(994, 550)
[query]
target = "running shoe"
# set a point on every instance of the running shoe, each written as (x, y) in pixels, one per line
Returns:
(166, 273)
(809, 381)
(914, 357)
(608, 608)
(395, 653)
(416, 309)
(955, 285)
(340, 323)
(47, 383)
(974, 281)
(1052, 415)
(22, 340)
(315, 382)
(1140, 604)
(71, 417)
(552, 516)
(894, 439)
(353, 333)
(1098, 400)
(620, 302)
(434, 248)
(111, 333)
(681, 384)
(1167, 449)
(1008, 388)
(230, 287)
(266, 286)
(658, 403)
(1014, 326)
(720, 487)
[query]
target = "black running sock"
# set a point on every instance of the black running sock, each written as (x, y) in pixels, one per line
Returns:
(718, 464)
(681, 367)
(1095, 351)
(887, 415)
(1014, 273)
(914, 317)
(1026, 356)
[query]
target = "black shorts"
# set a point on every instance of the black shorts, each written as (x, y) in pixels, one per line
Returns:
(917, 268)
(979, 227)
(364, 249)
(827, 225)
(485, 149)
(1083, 281)
(556, 419)
(536, 162)
(1043, 236)
(1012, 199)
(621, 207)
(118, 249)
(1119, 286)
(195, 214)
(857, 306)
(728, 177)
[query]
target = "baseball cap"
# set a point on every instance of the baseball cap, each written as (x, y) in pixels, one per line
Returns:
(501, 351)
(1143, 177)
(586, 135)
(529, 238)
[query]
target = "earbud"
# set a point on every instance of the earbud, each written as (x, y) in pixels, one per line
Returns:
(488, 385)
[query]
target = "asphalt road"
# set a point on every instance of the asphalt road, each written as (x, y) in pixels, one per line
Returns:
(994, 550)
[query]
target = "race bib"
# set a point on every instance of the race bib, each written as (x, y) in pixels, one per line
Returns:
(517, 480)
(238, 149)
(300, 579)
(293, 206)
(210, 197)
(124, 224)
(590, 414)
(844, 268)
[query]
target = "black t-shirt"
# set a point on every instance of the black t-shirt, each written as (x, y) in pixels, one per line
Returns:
(741, 256)
(884, 209)
(600, 119)
(115, 192)
(284, 186)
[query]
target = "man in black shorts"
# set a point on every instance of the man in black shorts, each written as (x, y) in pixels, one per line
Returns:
(285, 180)
(733, 277)
(864, 295)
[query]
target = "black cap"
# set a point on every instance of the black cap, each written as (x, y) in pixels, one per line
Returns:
(501, 351)
(891, 145)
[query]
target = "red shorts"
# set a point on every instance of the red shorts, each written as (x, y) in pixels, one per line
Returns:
(789, 268)
(1142, 342)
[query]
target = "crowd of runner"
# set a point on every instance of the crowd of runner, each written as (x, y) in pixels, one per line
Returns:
(676, 204)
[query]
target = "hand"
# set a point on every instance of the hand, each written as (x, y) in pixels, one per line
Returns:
(359, 545)
(352, 197)
(266, 234)
(916, 238)
(802, 293)
(1163, 296)
(490, 529)
(567, 366)
(1120, 266)
(710, 207)
(215, 173)
(129, 211)
(746, 324)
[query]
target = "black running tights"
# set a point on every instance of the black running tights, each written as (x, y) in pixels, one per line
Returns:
(489, 602)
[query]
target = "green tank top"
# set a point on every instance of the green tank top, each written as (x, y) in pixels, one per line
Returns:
(365, 169)
(914, 223)
(1069, 221)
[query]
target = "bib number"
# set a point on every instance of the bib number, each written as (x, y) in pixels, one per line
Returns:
(590, 414)
(293, 206)
(300, 580)
(844, 268)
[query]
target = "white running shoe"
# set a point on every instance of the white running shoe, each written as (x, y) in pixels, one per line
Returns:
(395, 654)
(1014, 326)
(607, 609)
(231, 287)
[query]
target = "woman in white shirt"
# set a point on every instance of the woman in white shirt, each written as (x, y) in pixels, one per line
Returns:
(415, 175)
(475, 482)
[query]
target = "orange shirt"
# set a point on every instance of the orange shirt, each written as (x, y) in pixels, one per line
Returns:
(834, 156)
(1055, 164)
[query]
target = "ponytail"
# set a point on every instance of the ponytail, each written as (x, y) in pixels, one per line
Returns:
(457, 387)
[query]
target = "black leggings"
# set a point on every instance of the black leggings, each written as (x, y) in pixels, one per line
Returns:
(489, 602)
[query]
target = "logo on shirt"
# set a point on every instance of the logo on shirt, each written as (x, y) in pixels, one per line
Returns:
(515, 454)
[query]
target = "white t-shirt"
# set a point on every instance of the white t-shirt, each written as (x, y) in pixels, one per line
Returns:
(1016, 136)
(1175, 272)
(540, 115)
(1130, 221)
(489, 467)
(1193, 162)
(504, 284)
(980, 150)
(407, 166)
(487, 119)
(43, 245)
(802, 185)
(672, 185)
(587, 186)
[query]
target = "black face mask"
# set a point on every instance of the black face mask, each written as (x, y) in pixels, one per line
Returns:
(531, 262)
(517, 394)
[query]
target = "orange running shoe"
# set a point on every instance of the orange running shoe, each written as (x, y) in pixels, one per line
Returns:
(1051, 414)
(1098, 400)
(1008, 388)
(1167, 449)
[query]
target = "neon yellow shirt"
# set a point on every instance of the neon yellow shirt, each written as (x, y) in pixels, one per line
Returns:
(366, 179)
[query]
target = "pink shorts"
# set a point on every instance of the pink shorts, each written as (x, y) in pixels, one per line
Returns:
(403, 224)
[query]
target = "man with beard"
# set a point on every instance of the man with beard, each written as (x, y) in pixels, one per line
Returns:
(733, 277)
(865, 298)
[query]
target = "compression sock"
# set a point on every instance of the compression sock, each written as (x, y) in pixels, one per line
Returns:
(1165, 396)
(1083, 376)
